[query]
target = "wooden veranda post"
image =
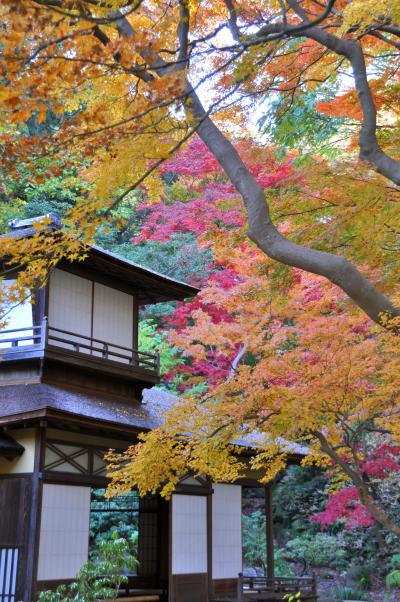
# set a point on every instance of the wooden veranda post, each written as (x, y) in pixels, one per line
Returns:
(269, 532)
(240, 588)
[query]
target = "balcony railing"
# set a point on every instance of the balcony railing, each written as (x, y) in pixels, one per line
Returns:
(34, 341)
(277, 588)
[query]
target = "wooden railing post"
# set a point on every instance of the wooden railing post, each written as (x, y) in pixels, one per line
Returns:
(314, 585)
(269, 532)
(44, 333)
(48, 337)
(240, 595)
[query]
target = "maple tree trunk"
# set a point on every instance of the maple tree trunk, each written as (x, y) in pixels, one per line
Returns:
(377, 513)
(262, 231)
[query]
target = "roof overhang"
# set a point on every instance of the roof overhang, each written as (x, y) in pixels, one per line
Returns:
(9, 448)
(148, 285)
(152, 287)
(51, 417)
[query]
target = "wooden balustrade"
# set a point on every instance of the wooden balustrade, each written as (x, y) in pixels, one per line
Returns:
(276, 588)
(33, 341)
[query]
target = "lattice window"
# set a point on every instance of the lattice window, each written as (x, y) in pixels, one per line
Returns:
(74, 459)
(99, 464)
(67, 458)
(148, 536)
(119, 513)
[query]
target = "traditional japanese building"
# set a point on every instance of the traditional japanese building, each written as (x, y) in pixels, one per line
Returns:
(73, 383)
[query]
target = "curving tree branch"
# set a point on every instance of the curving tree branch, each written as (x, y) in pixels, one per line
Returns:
(378, 513)
(263, 232)
(261, 229)
(370, 150)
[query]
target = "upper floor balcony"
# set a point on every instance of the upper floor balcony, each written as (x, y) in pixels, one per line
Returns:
(83, 319)
(45, 341)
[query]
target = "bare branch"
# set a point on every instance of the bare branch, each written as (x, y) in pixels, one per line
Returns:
(385, 39)
(237, 360)
(183, 33)
(232, 21)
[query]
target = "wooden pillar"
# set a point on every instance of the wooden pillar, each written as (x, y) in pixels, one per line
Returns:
(209, 540)
(35, 517)
(269, 532)
(135, 333)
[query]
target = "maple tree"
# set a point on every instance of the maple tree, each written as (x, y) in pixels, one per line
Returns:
(120, 86)
(345, 504)
(119, 76)
(328, 383)
(267, 355)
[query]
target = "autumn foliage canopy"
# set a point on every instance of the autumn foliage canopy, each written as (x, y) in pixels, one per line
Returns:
(294, 337)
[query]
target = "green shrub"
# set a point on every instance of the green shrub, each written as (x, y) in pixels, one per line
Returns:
(395, 561)
(361, 575)
(99, 578)
(393, 578)
(318, 550)
(254, 539)
(282, 567)
(254, 545)
(347, 593)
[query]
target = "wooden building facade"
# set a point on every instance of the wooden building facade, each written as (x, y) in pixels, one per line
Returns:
(71, 386)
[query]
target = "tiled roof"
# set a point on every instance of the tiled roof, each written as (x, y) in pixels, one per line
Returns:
(157, 398)
(24, 399)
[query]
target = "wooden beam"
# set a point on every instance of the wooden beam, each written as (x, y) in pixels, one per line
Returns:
(93, 364)
(209, 540)
(35, 517)
(135, 333)
(269, 532)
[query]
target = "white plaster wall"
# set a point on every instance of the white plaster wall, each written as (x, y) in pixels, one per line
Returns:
(70, 306)
(70, 437)
(64, 531)
(226, 531)
(113, 317)
(189, 534)
(72, 300)
(24, 463)
(190, 481)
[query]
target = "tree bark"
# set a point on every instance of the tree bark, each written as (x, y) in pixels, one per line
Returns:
(261, 230)
(377, 513)
(266, 236)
